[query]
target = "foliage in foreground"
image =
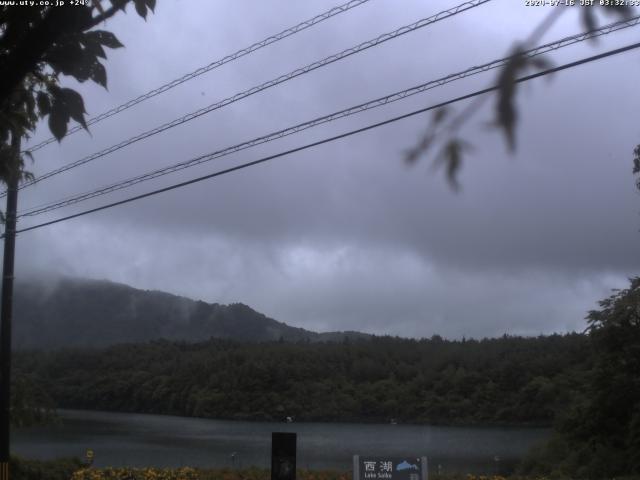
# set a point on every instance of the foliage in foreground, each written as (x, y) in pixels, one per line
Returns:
(599, 437)
(185, 473)
(74, 469)
(30, 404)
(188, 473)
(59, 469)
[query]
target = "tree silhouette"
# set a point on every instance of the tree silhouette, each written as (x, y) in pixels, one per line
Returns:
(38, 46)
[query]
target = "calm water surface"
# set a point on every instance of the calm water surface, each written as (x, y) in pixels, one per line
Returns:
(122, 439)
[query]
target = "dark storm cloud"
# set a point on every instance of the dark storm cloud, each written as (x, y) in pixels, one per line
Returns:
(345, 236)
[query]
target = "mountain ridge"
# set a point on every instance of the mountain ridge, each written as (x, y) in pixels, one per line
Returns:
(79, 312)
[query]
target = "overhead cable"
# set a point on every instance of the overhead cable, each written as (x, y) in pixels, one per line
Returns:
(276, 81)
(207, 68)
(333, 138)
(378, 102)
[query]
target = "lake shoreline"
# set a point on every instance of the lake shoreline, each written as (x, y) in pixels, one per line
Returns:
(163, 441)
(254, 419)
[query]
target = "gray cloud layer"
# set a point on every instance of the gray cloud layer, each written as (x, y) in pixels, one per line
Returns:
(345, 236)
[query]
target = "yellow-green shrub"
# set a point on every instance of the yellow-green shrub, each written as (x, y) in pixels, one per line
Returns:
(185, 473)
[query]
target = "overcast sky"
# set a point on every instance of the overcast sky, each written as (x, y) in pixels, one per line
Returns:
(345, 236)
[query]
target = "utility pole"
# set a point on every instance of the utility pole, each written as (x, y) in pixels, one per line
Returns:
(7, 304)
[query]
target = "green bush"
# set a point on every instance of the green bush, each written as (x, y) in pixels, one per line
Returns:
(60, 469)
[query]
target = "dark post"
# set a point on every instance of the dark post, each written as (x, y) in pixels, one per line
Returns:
(283, 456)
(7, 306)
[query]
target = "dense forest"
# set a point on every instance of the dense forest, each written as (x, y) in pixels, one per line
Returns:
(509, 380)
(599, 434)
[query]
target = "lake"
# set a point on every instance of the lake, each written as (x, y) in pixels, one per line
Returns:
(136, 440)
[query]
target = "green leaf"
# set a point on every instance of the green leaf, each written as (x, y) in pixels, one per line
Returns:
(99, 74)
(44, 103)
(506, 115)
(67, 103)
(72, 59)
(411, 156)
(92, 45)
(141, 8)
(74, 104)
(63, 57)
(105, 38)
(451, 155)
(58, 120)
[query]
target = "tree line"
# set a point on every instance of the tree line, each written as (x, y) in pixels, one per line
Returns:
(509, 380)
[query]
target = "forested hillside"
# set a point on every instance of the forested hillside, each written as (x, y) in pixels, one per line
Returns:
(68, 312)
(509, 380)
(599, 435)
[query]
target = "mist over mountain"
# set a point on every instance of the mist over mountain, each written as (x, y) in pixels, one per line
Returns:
(72, 312)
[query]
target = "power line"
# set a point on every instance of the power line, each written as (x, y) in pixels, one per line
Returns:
(281, 79)
(334, 138)
(213, 65)
(552, 46)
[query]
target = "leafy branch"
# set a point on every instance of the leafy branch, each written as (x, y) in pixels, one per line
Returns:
(38, 45)
(444, 137)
